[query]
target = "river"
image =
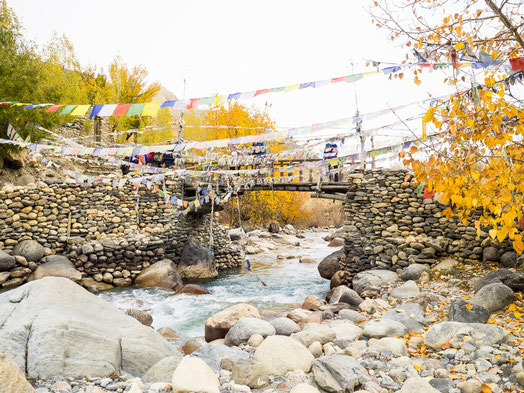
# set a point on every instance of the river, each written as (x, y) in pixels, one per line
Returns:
(288, 283)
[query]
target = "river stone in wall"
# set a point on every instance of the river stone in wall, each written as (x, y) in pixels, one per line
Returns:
(55, 327)
(56, 266)
(196, 262)
(31, 250)
(7, 262)
(162, 274)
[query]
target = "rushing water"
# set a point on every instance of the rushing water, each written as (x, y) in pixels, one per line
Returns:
(288, 283)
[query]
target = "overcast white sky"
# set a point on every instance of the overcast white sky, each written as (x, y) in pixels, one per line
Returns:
(237, 45)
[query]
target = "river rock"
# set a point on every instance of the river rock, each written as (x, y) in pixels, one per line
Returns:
(508, 259)
(411, 315)
(281, 354)
(490, 254)
(413, 271)
(193, 375)
(168, 333)
(94, 286)
(406, 290)
(141, 316)
(458, 312)
(244, 328)
(417, 385)
(251, 373)
(395, 345)
(338, 373)
(56, 266)
(304, 388)
(7, 262)
(192, 289)
(330, 265)
(373, 279)
(273, 228)
(494, 297)
(190, 346)
(196, 262)
(312, 303)
(445, 265)
(236, 234)
(162, 371)
(31, 250)
(161, 274)
(384, 328)
(314, 332)
(480, 334)
(493, 276)
(342, 294)
(337, 242)
(47, 331)
(352, 315)
(213, 354)
(346, 331)
(12, 379)
(219, 324)
(284, 326)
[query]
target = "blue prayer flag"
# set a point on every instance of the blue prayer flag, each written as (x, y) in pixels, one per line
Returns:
(96, 110)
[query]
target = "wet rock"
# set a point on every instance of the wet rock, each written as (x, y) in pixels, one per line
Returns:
(460, 313)
(161, 274)
(56, 266)
(31, 250)
(192, 289)
(193, 375)
(214, 354)
(196, 262)
(284, 326)
(94, 286)
(338, 373)
(494, 297)
(244, 328)
(282, 354)
(219, 324)
(330, 265)
(162, 371)
(373, 278)
(384, 328)
(251, 373)
(141, 316)
(479, 334)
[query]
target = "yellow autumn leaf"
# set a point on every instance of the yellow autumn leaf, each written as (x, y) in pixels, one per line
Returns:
(493, 233)
(468, 306)
(459, 46)
(485, 389)
(518, 314)
(512, 307)
(416, 367)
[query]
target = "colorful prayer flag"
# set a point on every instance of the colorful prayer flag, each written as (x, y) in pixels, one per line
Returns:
(95, 111)
(67, 110)
(121, 109)
(151, 109)
(107, 110)
(80, 110)
(135, 110)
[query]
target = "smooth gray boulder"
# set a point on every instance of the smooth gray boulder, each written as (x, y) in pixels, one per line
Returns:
(411, 315)
(493, 276)
(281, 354)
(458, 312)
(385, 328)
(338, 373)
(55, 327)
(196, 262)
(343, 294)
(31, 250)
(329, 265)
(494, 297)
(395, 345)
(244, 328)
(373, 279)
(352, 315)
(213, 354)
(284, 326)
(406, 290)
(162, 371)
(7, 262)
(413, 271)
(161, 274)
(480, 334)
(56, 266)
(251, 373)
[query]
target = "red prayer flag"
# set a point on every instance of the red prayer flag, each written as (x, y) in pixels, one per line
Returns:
(193, 103)
(339, 79)
(517, 64)
(53, 108)
(263, 91)
(121, 109)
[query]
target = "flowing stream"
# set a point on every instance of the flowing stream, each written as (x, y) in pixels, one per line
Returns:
(288, 283)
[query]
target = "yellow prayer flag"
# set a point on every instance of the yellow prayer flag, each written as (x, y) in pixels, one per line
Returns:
(465, 65)
(80, 110)
(371, 72)
(151, 109)
(291, 88)
(219, 100)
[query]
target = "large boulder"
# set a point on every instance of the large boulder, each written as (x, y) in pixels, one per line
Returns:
(55, 327)
(244, 328)
(12, 379)
(512, 280)
(373, 279)
(494, 297)
(196, 262)
(56, 266)
(162, 371)
(219, 324)
(284, 326)
(462, 311)
(7, 262)
(162, 274)
(329, 265)
(281, 354)
(338, 373)
(479, 334)
(385, 328)
(406, 290)
(213, 354)
(30, 250)
(193, 375)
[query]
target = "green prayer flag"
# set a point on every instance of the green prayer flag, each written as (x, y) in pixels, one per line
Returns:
(207, 101)
(277, 89)
(355, 77)
(67, 109)
(135, 109)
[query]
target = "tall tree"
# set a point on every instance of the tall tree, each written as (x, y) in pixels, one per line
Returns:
(481, 162)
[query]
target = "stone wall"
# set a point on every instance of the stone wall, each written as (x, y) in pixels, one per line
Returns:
(389, 226)
(104, 230)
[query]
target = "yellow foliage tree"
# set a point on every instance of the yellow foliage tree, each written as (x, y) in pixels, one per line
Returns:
(481, 163)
